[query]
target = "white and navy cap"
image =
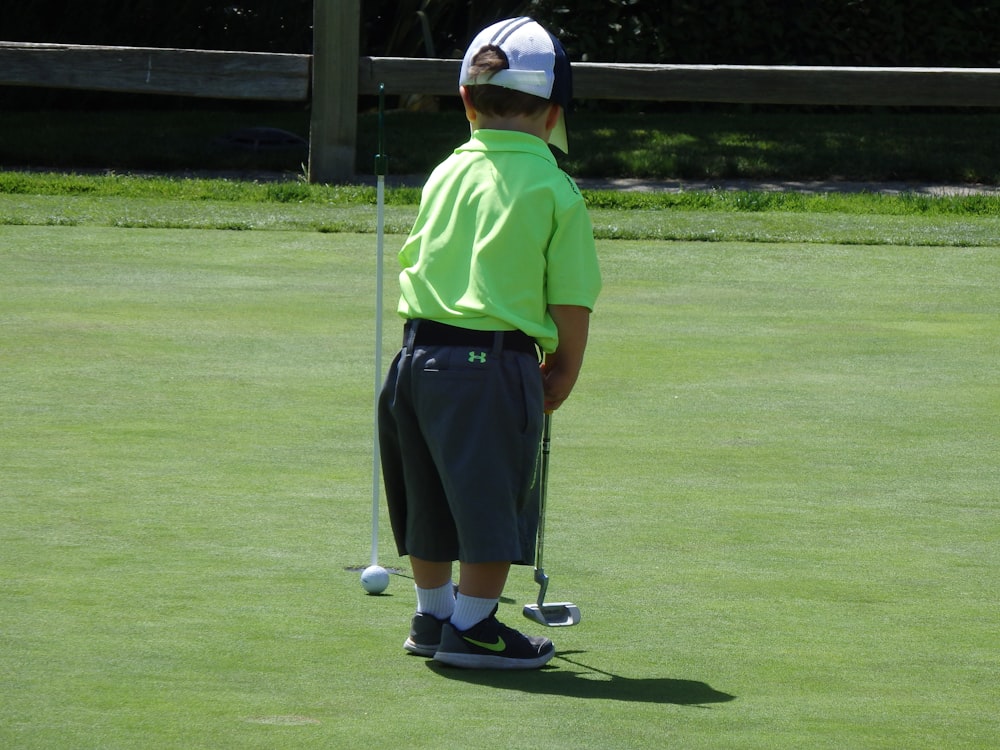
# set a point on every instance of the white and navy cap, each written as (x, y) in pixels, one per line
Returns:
(538, 66)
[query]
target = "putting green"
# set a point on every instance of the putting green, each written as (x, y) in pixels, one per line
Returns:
(773, 497)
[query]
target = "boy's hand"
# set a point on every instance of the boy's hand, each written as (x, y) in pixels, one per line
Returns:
(557, 384)
(561, 368)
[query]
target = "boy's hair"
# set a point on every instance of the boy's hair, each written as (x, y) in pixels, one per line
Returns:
(497, 101)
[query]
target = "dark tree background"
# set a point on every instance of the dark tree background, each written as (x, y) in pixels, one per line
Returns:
(763, 32)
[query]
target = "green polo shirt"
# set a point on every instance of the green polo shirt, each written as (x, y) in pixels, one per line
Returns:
(501, 233)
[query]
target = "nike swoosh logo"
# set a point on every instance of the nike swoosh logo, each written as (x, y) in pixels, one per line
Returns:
(495, 647)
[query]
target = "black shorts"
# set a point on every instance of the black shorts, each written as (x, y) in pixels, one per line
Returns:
(460, 419)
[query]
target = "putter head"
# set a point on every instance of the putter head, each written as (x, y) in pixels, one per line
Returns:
(556, 615)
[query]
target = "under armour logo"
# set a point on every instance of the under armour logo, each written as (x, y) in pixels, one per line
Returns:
(480, 357)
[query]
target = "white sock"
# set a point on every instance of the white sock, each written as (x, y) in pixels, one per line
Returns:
(439, 602)
(469, 610)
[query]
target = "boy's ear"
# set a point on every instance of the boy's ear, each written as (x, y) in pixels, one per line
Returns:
(470, 110)
(552, 117)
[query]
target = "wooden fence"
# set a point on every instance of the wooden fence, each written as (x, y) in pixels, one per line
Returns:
(734, 84)
(334, 76)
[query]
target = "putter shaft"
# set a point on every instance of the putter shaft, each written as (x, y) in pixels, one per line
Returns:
(559, 614)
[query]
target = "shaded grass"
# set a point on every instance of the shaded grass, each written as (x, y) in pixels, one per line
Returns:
(697, 143)
(778, 467)
(762, 143)
(155, 139)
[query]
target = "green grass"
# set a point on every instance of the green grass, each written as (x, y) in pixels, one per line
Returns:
(863, 218)
(705, 143)
(773, 497)
(224, 190)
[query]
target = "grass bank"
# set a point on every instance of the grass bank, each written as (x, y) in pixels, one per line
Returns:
(56, 199)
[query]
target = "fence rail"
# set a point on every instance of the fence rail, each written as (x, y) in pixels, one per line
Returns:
(332, 87)
(733, 84)
(156, 70)
(285, 77)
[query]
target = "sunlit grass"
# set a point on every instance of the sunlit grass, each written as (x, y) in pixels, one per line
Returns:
(773, 497)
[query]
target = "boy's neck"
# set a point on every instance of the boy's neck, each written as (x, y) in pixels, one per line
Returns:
(520, 123)
(539, 125)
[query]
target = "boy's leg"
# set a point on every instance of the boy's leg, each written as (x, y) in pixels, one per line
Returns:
(428, 574)
(480, 587)
(435, 591)
(483, 580)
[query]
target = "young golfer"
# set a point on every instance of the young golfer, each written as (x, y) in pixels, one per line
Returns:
(499, 265)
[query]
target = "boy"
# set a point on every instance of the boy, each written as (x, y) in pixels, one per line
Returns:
(500, 260)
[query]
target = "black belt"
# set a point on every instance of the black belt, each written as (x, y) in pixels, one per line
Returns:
(432, 333)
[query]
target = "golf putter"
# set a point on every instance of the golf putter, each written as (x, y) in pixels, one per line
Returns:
(558, 614)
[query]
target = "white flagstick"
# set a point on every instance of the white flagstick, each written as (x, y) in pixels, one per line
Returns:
(374, 578)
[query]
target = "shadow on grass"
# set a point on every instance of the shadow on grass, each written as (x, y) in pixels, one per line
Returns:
(590, 683)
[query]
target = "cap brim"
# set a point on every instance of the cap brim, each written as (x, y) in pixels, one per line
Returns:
(558, 136)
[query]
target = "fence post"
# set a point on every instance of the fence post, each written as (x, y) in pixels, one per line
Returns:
(334, 115)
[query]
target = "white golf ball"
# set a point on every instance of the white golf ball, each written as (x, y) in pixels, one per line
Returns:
(375, 579)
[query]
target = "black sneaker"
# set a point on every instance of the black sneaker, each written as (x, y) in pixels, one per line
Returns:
(425, 635)
(489, 644)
